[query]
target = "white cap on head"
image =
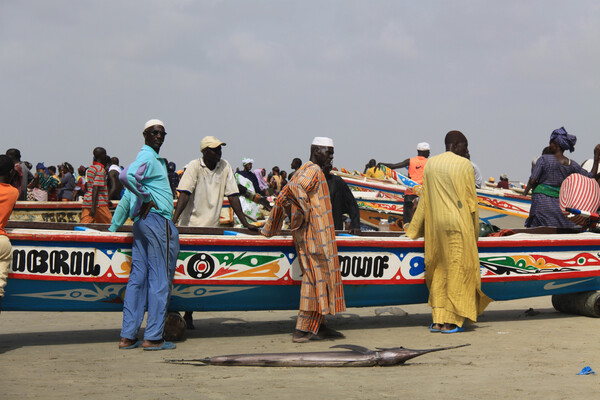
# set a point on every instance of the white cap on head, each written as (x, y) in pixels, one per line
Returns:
(322, 141)
(153, 122)
(247, 161)
(423, 146)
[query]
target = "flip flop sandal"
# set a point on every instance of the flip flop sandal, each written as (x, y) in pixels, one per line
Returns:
(164, 346)
(455, 330)
(134, 345)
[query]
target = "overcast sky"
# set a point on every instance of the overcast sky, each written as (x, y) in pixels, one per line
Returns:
(267, 76)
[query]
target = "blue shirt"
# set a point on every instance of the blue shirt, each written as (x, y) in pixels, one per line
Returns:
(147, 179)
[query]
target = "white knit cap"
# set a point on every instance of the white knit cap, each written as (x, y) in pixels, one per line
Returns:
(322, 141)
(153, 122)
(247, 161)
(423, 146)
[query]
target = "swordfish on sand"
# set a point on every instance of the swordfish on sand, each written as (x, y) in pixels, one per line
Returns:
(354, 356)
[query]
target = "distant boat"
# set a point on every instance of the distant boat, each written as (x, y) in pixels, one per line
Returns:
(500, 207)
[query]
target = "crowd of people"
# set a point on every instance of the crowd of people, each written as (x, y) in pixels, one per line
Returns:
(64, 183)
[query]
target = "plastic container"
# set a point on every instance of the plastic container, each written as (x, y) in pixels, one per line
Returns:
(384, 225)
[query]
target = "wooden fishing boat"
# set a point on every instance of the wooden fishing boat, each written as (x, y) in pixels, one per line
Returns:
(377, 200)
(67, 270)
(506, 209)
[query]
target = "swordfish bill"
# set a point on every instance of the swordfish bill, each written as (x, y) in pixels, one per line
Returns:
(354, 356)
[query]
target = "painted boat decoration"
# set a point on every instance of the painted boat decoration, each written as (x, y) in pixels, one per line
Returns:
(87, 271)
(504, 208)
(375, 206)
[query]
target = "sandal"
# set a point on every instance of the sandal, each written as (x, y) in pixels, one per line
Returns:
(163, 346)
(128, 344)
(455, 330)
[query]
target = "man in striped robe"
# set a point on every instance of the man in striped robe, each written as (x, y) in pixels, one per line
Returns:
(447, 215)
(306, 199)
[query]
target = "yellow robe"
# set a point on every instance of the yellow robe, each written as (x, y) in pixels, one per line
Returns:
(447, 216)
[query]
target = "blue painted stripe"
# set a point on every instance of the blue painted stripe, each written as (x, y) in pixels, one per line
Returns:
(268, 297)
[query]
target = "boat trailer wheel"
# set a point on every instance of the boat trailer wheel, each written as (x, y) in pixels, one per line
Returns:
(583, 303)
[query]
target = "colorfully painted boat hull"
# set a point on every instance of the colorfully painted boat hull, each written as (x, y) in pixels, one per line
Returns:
(88, 271)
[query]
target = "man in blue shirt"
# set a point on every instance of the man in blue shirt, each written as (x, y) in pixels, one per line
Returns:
(155, 243)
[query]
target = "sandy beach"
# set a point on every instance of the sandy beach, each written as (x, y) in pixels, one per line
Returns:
(513, 354)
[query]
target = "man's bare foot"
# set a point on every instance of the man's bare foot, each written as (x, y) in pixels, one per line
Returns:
(301, 337)
(152, 343)
(452, 328)
(158, 345)
(128, 343)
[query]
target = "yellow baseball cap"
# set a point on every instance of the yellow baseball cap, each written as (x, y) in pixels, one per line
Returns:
(211, 141)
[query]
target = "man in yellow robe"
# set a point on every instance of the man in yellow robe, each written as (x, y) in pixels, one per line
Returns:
(447, 216)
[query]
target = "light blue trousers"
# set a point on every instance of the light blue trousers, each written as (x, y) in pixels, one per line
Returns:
(153, 261)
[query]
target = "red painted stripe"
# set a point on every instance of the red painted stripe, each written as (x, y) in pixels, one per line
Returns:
(541, 277)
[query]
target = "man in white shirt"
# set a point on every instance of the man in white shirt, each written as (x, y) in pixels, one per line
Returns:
(206, 181)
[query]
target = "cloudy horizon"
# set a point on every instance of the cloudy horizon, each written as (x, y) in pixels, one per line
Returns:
(268, 76)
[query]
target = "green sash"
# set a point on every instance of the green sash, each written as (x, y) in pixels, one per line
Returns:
(550, 191)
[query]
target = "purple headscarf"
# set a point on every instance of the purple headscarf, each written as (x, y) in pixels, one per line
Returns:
(563, 139)
(261, 179)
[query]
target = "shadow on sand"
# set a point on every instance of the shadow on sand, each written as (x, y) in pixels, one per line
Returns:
(237, 327)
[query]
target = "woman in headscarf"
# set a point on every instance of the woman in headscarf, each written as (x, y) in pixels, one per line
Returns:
(549, 172)
(248, 174)
(251, 196)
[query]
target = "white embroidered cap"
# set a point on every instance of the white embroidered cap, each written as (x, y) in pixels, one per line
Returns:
(322, 141)
(153, 122)
(423, 146)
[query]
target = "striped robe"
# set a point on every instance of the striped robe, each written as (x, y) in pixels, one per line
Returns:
(312, 227)
(447, 215)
